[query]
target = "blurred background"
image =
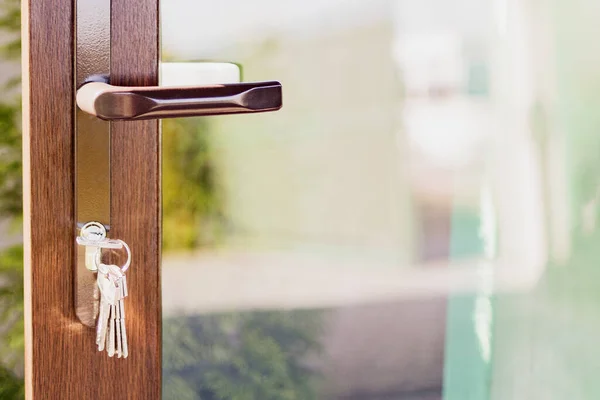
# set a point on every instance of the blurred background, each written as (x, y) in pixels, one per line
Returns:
(417, 223)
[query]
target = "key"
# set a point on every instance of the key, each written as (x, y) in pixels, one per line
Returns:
(108, 292)
(111, 334)
(118, 325)
(101, 325)
(124, 286)
(117, 275)
(125, 350)
(113, 275)
(108, 289)
(110, 346)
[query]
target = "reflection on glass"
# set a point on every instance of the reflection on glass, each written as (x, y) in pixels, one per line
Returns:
(401, 228)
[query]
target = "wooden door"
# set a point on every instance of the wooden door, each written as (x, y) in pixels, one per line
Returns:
(431, 159)
(61, 359)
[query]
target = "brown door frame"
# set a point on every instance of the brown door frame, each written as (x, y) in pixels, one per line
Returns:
(61, 358)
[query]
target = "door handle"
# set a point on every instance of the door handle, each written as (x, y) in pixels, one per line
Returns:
(113, 103)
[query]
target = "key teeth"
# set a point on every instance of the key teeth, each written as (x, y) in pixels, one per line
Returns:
(111, 332)
(124, 285)
(118, 325)
(123, 330)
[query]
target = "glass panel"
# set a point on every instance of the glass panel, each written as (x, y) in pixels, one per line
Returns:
(417, 222)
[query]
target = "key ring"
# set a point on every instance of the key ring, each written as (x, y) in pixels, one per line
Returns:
(124, 267)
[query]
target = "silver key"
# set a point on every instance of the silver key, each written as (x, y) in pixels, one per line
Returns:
(108, 293)
(108, 290)
(112, 283)
(102, 325)
(124, 349)
(110, 347)
(124, 286)
(120, 281)
(118, 326)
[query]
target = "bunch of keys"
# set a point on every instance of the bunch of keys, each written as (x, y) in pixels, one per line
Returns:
(112, 283)
(111, 333)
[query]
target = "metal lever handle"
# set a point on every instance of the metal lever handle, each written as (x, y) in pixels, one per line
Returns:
(134, 103)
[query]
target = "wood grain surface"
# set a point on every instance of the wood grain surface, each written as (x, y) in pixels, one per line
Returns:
(61, 358)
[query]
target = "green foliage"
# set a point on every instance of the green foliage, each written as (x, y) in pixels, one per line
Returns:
(10, 115)
(241, 356)
(11, 387)
(11, 188)
(11, 308)
(10, 24)
(192, 202)
(11, 321)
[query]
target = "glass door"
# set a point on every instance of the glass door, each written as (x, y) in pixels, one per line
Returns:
(418, 222)
(350, 245)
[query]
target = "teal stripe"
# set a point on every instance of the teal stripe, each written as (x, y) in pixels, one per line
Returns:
(466, 372)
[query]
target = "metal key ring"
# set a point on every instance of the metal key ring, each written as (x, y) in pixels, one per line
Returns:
(125, 267)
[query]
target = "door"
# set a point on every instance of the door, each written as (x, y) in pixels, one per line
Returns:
(61, 360)
(417, 222)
